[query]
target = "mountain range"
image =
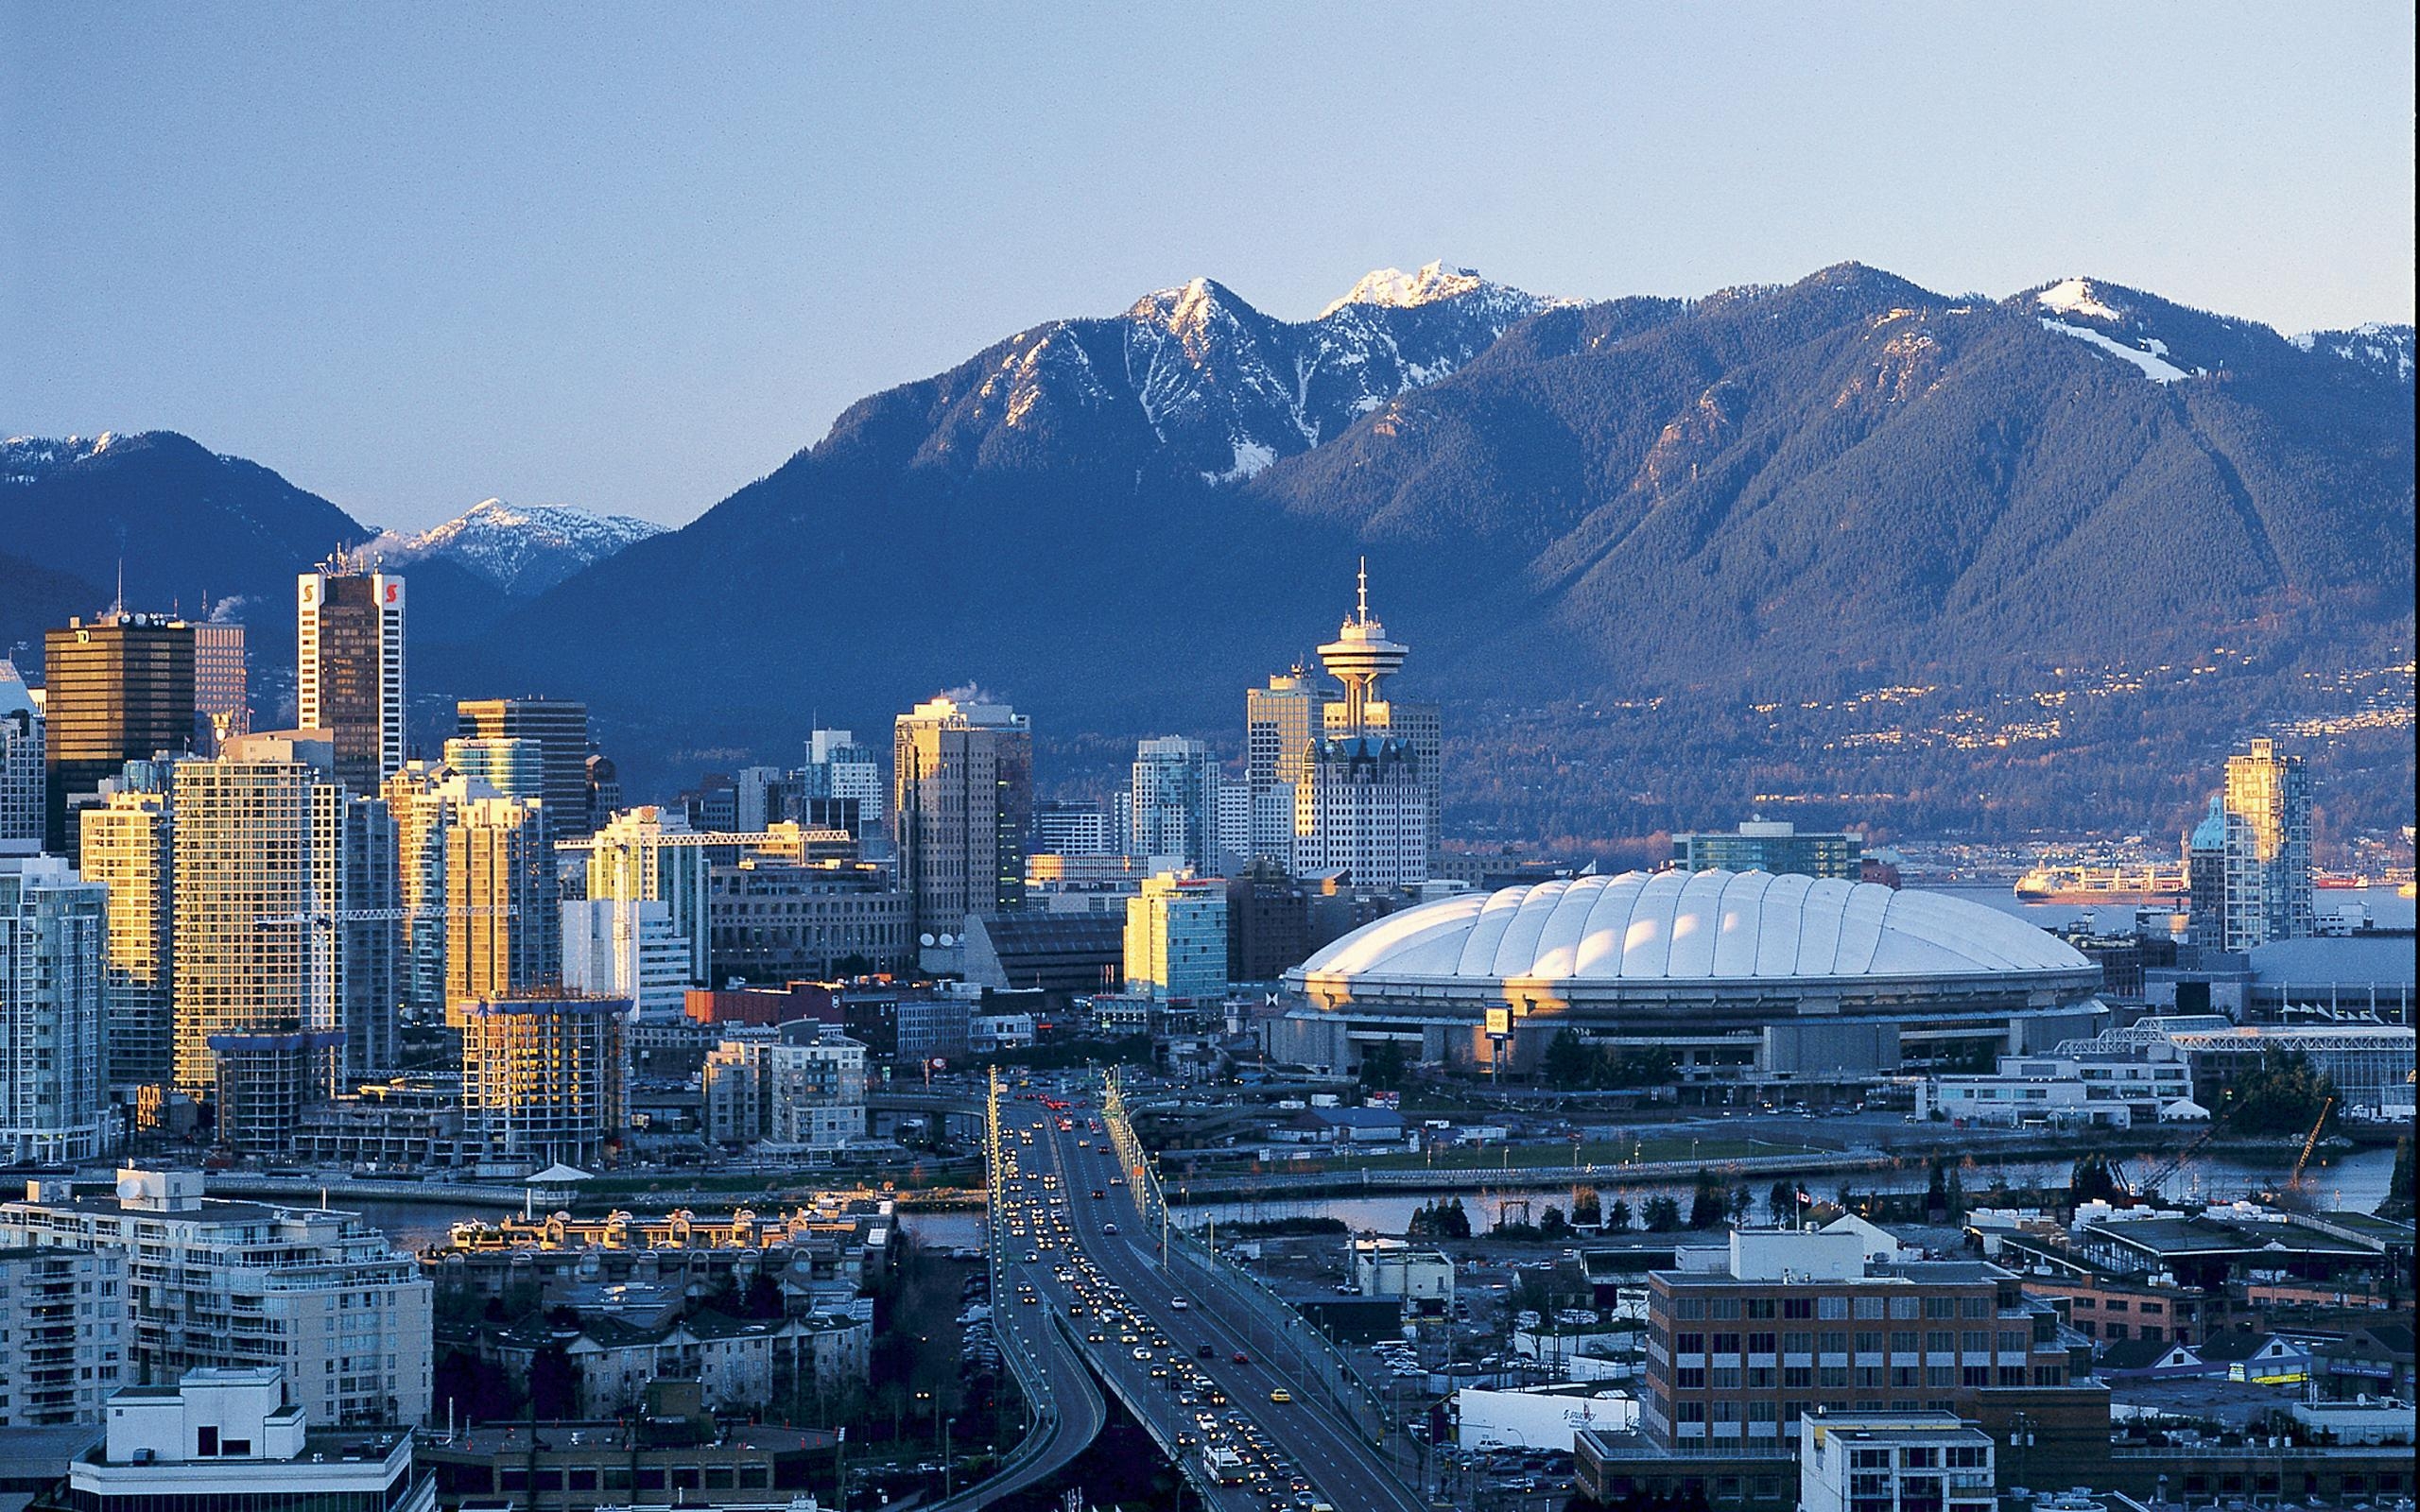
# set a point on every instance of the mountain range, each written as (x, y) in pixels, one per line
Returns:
(1660, 557)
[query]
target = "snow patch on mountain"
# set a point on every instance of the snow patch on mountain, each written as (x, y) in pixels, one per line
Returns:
(2153, 366)
(31, 458)
(2077, 296)
(524, 549)
(2386, 348)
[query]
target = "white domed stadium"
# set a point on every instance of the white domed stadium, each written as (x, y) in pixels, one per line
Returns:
(1733, 975)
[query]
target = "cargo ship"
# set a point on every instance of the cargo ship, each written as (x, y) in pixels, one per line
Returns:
(2146, 884)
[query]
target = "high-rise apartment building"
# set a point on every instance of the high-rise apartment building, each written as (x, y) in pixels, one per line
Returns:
(129, 847)
(647, 855)
(1771, 845)
(321, 1297)
(1176, 940)
(348, 668)
(545, 1076)
(560, 729)
(222, 707)
(1172, 803)
(63, 1334)
(604, 791)
(285, 953)
(1281, 722)
(2269, 859)
(118, 689)
(53, 1006)
(962, 801)
(424, 799)
(503, 915)
(627, 948)
(2206, 876)
(22, 779)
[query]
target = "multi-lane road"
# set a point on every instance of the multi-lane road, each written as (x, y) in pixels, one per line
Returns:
(1076, 1252)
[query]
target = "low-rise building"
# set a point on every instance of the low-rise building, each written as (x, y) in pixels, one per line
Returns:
(800, 1086)
(1391, 1267)
(2102, 1089)
(234, 1438)
(1894, 1462)
(824, 1256)
(673, 1452)
(740, 1365)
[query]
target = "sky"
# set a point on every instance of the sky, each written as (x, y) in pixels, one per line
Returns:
(632, 257)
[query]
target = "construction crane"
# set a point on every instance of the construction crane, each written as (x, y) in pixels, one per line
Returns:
(2148, 1186)
(2310, 1143)
(323, 922)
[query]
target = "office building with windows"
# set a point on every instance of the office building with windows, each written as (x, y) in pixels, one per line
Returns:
(1176, 940)
(961, 802)
(2269, 876)
(559, 728)
(1281, 722)
(117, 690)
(348, 668)
(1771, 845)
(1172, 803)
(1894, 1462)
(647, 855)
(502, 907)
(222, 708)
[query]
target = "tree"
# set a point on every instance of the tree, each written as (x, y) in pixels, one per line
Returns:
(1782, 1201)
(1663, 1215)
(1587, 1208)
(2399, 1185)
(2094, 1179)
(554, 1384)
(1382, 1065)
(1617, 1216)
(2281, 1096)
(1569, 1062)
(1552, 1225)
(1741, 1203)
(1708, 1204)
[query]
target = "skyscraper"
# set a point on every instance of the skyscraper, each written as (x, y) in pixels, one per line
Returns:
(648, 856)
(1280, 723)
(284, 969)
(349, 667)
(1360, 658)
(118, 689)
(52, 1011)
(559, 727)
(129, 847)
(503, 915)
(2206, 876)
(962, 799)
(221, 686)
(1172, 803)
(22, 781)
(424, 799)
(2269, 859)
(1361, 808)
(514, 765)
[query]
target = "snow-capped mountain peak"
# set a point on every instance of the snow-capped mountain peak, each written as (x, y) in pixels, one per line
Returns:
(523, 548)
(2079, 296)
(2384, 349)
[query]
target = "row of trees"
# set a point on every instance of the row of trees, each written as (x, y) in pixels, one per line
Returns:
(1573, 1064)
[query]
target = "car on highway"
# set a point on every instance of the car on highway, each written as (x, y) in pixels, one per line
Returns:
(1242, 1358)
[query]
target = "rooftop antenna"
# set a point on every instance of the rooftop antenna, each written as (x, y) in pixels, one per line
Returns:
(119, 608)
(1361, 610)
